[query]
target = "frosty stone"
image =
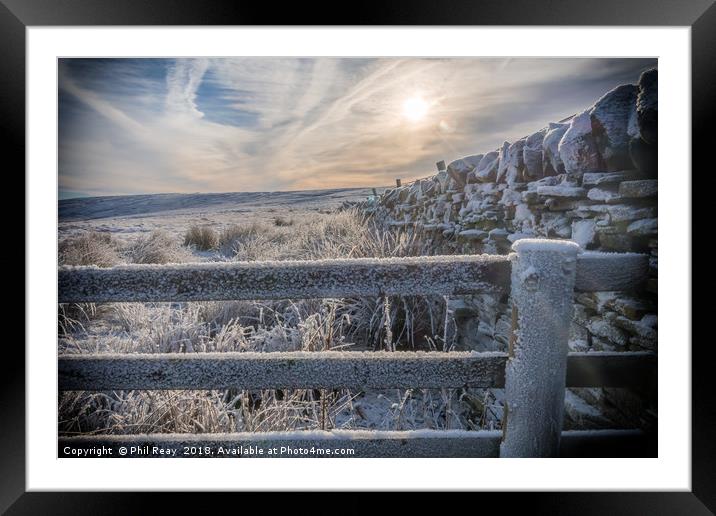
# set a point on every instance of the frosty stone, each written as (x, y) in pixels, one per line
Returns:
(532, 155)
(604, 178)
(644, 188)
(583, 232)
(498, 234)
(486, 170)
(543, 275)
(603, 329)
(515, 162)
(502, 165)
(572, 192)
(624, 212)
(647, 106)
(610, 121)
(474, 234)
(460, 168)
(645, 227)
(442, 178)
(552, 162)
(578, 148)
(604, 194)
(643, 146)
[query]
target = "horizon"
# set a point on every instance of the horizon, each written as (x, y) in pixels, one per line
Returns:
(60, 198)
(231, 125)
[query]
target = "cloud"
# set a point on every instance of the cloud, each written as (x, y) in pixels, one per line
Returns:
(183, 80)
(252, 124)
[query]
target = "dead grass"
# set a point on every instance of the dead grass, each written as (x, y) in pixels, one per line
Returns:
(158, 247)
(93, 248)
(203, 238)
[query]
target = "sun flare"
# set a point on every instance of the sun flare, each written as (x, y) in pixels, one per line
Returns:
(415, 108)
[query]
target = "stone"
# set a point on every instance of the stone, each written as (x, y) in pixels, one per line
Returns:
(465, 164)
(515, 163)
(571, 192)
(647, 106)
(555, 224)
(511, 198)
(630, 307)
(604, 178)
(608, 195)
(583, 232)
(486, 171)
(473, 234)
(551, 161)
(599, 344)
(610, 332)
(531, 197)
(625, 212)
(560, 204)
(471, 178)
(610, 119)
(645, 328)
(514, 237)
(639, 189)
(458, 197)
(643, 146)
(582, 314)
(639, 344)
(580, 414)
(605, 229)
(616, 242)
(644, 156)
(598, 301)
(578, 344)
(502, 165)
(532, 155)
(578, 148)
(643, 227)
(442, 179)
(546, 181)
(618, 212)
(498, 234)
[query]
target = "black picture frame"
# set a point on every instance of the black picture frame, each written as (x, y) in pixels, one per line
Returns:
(700, 15)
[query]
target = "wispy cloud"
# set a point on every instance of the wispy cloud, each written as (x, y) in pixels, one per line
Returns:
(250, 124)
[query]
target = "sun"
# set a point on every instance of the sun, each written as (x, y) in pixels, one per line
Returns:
(415, 108)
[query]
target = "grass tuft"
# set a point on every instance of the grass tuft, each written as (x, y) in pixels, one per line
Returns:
(203, 238)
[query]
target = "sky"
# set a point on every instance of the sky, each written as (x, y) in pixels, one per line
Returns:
(140, 126)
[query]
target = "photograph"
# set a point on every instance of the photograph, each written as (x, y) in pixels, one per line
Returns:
(353, 257)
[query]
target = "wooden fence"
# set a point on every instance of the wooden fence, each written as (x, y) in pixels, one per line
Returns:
(541, 275)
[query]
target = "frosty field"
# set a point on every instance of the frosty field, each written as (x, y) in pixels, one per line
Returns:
(127, 216)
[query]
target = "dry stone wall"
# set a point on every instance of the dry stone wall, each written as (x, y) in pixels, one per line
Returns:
(591, 178)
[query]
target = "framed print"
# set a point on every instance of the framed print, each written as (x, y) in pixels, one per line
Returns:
(422, 239)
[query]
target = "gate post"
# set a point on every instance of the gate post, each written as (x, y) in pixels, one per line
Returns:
(543, 274)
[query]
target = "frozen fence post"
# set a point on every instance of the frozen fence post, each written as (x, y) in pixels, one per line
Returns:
(543, 274)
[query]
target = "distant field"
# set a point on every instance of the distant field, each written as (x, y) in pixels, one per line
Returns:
(128, 215)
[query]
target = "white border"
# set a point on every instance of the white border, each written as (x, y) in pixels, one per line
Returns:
(671, 471)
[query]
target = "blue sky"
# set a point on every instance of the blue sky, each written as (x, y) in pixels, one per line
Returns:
(130, 126)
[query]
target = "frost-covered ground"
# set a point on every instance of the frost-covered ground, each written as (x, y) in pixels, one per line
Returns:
(127, 216)
(249, 226)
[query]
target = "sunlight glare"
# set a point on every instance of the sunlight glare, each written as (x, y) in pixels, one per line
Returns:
(415, 108)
